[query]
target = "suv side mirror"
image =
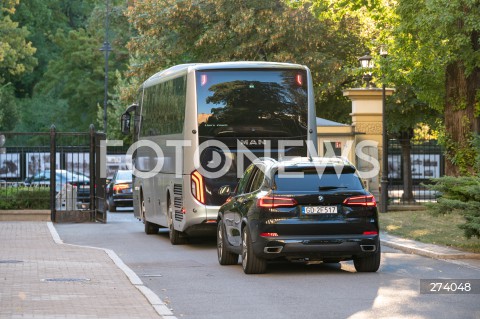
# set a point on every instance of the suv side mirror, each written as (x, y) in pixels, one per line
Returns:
(125, 123)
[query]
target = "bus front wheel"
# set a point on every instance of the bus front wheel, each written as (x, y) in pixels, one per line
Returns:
(150, 228)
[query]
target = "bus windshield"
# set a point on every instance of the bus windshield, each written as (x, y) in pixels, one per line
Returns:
(252, 103)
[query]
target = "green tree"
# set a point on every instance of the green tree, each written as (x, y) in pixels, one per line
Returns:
(459, 195)
(76, 77)
(15, 51)
(437, 51)
(171, 32)
(37, 114)
(15, 59)
(77, 74)
(8, 108)
(42, 19)
(68, 35)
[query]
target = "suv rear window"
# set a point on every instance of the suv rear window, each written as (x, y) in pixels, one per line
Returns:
(312, 181)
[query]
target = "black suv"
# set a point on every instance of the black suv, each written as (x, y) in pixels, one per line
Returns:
(301, 209)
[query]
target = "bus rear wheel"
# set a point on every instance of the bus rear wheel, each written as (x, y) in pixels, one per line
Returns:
(176, 237)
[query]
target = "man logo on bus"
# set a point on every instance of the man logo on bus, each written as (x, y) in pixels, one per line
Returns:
(254, 142)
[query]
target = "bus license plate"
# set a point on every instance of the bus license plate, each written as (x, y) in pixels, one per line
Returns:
(311, 210)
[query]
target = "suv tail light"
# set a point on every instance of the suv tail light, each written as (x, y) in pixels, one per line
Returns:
(364, 200)
(119, 187)
(198, 186)
(274, 202)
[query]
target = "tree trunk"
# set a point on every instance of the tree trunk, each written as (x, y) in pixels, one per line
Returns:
(405, 143)
(460, 119)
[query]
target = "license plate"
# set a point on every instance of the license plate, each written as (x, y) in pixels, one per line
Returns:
(309, 210)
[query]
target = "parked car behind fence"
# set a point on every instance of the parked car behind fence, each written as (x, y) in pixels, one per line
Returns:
(62, 177)
(119, 190)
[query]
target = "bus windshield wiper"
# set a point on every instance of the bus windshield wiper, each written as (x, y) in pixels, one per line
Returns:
(322, 188)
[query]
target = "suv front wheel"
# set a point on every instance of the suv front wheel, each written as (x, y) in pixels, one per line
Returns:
(225, 257)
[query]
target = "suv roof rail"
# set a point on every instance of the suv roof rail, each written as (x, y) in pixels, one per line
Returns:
(345, 160)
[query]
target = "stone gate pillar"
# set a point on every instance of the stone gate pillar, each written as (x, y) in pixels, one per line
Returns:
(367, 124)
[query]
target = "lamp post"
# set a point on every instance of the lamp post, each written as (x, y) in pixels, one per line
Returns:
(384, 179)
(106, 48)
(367, 64)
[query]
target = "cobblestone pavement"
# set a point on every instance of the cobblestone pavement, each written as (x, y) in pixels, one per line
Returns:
(40, 277)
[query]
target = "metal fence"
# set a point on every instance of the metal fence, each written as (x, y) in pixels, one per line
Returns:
(57, 171)
(421, 160)
(28, 180)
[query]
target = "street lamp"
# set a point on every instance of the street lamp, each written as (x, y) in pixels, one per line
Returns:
(106, 48)
(367, 64)
(384, 179)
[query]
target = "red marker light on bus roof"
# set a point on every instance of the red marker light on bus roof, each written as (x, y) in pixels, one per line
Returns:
(299, 79)
(203, 80)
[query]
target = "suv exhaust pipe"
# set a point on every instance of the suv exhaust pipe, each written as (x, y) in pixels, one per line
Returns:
(273, 250)
(368, 248)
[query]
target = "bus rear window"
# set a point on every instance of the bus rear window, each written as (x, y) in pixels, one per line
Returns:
(252, 103)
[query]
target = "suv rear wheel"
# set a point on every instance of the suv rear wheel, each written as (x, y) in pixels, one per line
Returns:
(370, 263)
(251, 264)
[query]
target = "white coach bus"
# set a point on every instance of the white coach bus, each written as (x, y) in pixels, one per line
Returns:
(197, 126)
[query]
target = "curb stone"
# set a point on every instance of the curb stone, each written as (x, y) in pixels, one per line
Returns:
(426, 250)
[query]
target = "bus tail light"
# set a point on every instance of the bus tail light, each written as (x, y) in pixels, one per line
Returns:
(364, 200)
(198, 186)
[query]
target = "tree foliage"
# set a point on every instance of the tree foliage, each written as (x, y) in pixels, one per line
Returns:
(67, 36)
(42, 19)
(15, 51)
(171, 32)
(8, 108)
(438, 53)
(53, 111)
(434, 52)
(460, 195)
(15, 58)
(76, 77)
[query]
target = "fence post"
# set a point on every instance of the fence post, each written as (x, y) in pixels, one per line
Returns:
(53, 166)
(93, 178)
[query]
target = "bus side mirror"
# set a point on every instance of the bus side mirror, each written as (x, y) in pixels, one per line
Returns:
(366, 184)
(224, 190)
(125, 123)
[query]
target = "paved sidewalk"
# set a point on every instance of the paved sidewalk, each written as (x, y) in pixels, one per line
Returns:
(40, 277)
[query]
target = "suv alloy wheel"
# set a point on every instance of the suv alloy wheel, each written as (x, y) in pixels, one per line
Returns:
(251, 264)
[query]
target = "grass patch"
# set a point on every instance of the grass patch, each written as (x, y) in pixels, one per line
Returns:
(24, 198)
(426, 228)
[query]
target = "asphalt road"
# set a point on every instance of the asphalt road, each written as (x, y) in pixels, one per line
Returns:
(190, 280)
